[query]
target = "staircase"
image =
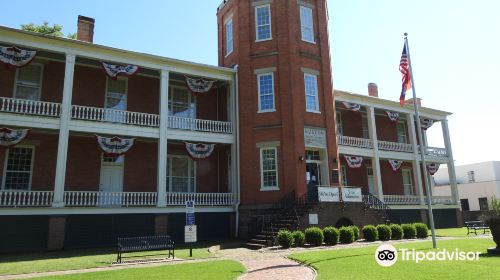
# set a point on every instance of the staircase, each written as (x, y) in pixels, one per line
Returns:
(372, 202)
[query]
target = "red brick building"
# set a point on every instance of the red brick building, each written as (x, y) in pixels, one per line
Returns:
(280, 132)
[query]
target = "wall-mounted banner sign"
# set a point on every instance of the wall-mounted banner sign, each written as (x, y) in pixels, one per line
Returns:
(327, 194)
(114, 146)
(314, 137)
(432, 167)
(395, 164)
(13, 56)
(10, 137)
(199, 150)
(393, 116)
(354, 161)
(351, 106)
(425, 123)
(352, 195)
(196, 85)
(113, 70)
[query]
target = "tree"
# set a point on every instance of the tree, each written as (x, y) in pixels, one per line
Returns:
(54, 30)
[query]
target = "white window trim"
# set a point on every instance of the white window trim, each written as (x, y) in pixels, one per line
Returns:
(340, 129)
(268, 188)
(6, 158)
(270, 24)
(170, 103)
(408, 170)
(168, 187)
(106, 92)
(315, 77)
(259, 110)
(403, 123)
(14, 90)
(343, 171)
(312, 25)
(229, 21)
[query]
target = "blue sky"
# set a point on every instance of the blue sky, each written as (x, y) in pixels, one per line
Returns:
(454, 47)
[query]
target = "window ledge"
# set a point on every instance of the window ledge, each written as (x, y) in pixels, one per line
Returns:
(228, 54)
(313, 111)
(310, 42)
(263, 40)
(269, 189)
(266, 111)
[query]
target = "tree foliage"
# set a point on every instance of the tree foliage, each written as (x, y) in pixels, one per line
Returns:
(45, 28)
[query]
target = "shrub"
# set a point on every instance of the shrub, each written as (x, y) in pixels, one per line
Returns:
(314, 236)
(346, 235)
(331, 235)
(370, 233)
(422, 230)
(384, 232)
(396, 232)
(409, 231)
(355, 230)
(285, 238)
(298, 238)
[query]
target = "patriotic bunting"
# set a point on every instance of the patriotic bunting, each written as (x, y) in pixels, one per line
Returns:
(113, 70)
(351, 106)
(114, 146)
(393, 116)
(395, 164)
(354, 161)
(426, 123)
(13, 56)
(196, 85)
(10, 137)
(405, 71)
(432, 167)
(199, 150)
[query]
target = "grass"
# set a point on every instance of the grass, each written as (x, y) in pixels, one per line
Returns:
(456, 232)
(80, 259)
(219, 270)
(360, 263)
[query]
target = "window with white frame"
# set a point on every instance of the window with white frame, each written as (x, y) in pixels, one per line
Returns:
(311, 89)
(116, 100)
(471, 176)
(181, 103)
(18, 168)
(269, 168)
(407, 181)
(364, 126)
(340, 130)
(266, 92)
(263, 23)
(343, 169)
(229, 36)
(306, 24)
(181, 174)
(401, 130)
(29, 82)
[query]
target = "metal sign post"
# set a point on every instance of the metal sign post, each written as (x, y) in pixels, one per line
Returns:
(190, 235)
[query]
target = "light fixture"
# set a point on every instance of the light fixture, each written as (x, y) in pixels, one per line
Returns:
(301, 158)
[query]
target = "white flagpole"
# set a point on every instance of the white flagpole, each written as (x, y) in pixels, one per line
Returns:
(422, 148)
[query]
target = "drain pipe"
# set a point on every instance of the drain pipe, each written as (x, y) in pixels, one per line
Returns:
(236, 161)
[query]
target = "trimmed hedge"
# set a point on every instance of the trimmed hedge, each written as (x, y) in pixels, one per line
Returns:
(396, 232)
(314, 236)
(422, 230)
(298, 238)
(370, 233)
(409, 231)
(384, 232)
(346, 235)
(355, 230)
(331, 235)
(285, 239)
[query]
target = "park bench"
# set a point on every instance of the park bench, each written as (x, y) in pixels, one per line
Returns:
(144, 243)
(474, 226)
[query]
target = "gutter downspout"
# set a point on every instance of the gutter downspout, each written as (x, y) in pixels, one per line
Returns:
(237, 161)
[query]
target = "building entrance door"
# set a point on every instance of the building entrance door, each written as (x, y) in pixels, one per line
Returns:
(313, 179)
(111, 182)
(371, 182)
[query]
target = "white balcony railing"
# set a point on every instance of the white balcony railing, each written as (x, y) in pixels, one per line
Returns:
(395, 147)
(355, 142)
(436, 152)
(30, 107)
(92, 199)
(114, 116)
(200, 125)
(14, 198)
(401, 199)
(202, 199)
(447, 200)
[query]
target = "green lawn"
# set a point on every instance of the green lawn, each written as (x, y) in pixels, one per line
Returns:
(360, 263)
(218, 270)
(455, 232)
(79, 259)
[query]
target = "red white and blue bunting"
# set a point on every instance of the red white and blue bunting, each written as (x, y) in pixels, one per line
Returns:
(425, 123)
(114, 146)
(199, 150)
(10, 137)
(432, 167)
(13, 56)
(351, 106)
(395, 164)
(197, 85)
(113, 70)
(393, 116)
(354, 161)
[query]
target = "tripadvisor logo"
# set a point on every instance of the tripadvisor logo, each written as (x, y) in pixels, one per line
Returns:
(386, 255)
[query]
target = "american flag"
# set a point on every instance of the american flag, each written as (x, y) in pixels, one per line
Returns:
(405, 70)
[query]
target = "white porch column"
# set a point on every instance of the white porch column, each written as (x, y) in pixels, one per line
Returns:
(372, 129)
(62, 148)
(162, 141)
(451, 164)
(417, 174)
(234, 146)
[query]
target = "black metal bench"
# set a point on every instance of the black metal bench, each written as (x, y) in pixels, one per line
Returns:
(474, 226)
(145, 243)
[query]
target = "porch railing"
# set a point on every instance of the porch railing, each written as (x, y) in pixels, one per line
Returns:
(92, 199)
(202, 199)
(394, 146)
(446, 200)
(200, 125)
(114, 116)
(14, 198)
(401, 199)
(436, 152)
(30, 107)
(355, 142)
